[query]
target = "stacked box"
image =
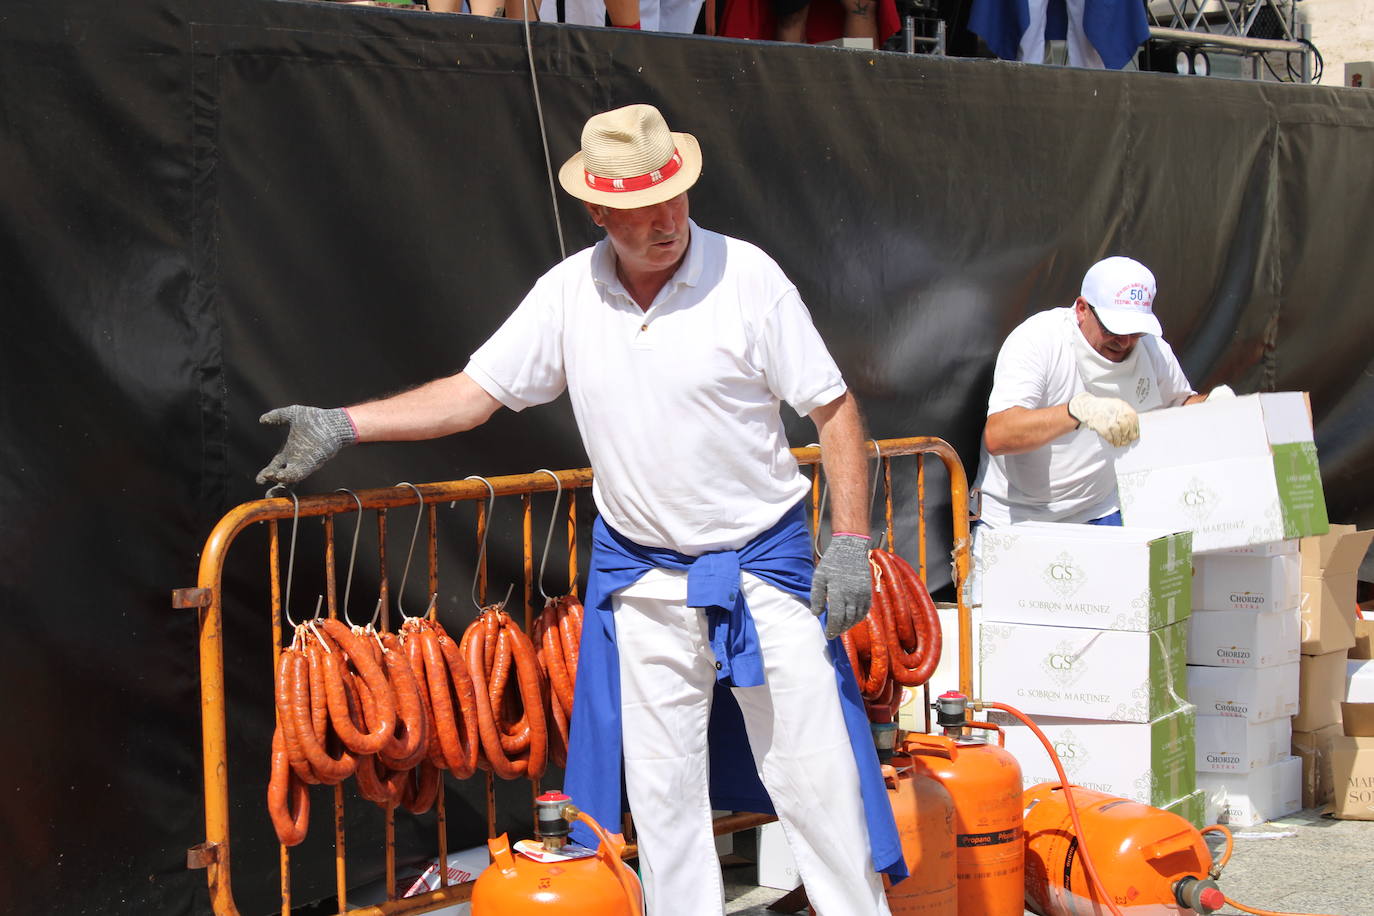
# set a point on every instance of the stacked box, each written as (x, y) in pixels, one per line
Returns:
(1244, 674)
(1236, 472)
(1328, 565)
(1084, 629)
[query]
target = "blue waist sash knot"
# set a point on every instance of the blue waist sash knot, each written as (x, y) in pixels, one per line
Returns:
(780, 556)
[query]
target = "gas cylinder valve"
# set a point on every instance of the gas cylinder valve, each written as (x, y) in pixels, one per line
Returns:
(551, 823)
(1199, 894)
(951, 712)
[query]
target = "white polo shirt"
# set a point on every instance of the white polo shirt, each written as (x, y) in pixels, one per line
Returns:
(1072, 478)
(678, 406)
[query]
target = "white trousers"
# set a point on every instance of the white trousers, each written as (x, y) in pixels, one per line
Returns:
(1081, 50)
(796, 733)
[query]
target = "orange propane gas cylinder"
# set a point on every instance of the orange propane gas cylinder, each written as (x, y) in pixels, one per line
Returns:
(550, 878)
(925, 823)
(1150, 861)
(984, 782)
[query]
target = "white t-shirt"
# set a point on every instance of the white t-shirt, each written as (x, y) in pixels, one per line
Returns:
(1071, 479)
(678, 406)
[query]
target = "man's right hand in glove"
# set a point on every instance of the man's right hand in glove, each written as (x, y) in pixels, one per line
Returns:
(1111, 418)
(315, 436)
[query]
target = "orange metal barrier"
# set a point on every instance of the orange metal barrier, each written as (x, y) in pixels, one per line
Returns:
(215, 853)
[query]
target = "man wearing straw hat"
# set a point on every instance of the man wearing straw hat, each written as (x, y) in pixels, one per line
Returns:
(677, 346)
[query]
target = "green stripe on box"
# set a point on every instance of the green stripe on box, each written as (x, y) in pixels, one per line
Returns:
(1171, 579)
(1192, 808)
(1168, 669)
(1173, 756)
(1299, 481)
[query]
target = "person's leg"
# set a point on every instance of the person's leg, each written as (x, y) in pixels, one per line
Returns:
(1033, 39)
(802, 750)
(1081, 50)
(667, 674)
(791, 19)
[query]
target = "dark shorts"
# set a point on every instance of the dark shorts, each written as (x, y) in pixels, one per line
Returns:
(788, 7)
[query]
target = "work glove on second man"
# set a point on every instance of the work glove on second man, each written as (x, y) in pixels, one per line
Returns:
(1111, 418)
(843, 582)
(316, 435)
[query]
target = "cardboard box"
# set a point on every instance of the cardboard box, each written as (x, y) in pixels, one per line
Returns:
(1321, 688)
(1314, 750)
(1364, 640)
(1253, 694)
(1085, 673)
(1235, 472)
(1230, 744)
(1328, 614)
(1094, 576)
(1337, 552)
(776, 866)
(1244, 639)
(1247, 799)
(1352, 775)
(1226, 582)
(1151, 763)
(462, 866)
(1267, 549)
(1359, 681)
(1357, 719)
(1192, 808)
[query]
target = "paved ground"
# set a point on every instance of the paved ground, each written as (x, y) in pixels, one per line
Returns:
(1304, 864)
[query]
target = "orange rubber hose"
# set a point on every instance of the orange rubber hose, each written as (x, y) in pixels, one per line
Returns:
(1245, 909)
(1094, 880)
(631, 894)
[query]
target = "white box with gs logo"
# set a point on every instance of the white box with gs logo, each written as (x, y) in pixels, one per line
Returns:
(1235, 472)
(1084, 673)
(1096, 576)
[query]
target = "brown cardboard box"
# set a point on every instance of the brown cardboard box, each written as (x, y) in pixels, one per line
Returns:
(1358, 719)
(1328, 614)
(1321, 688)
(1314, 749)
(1364, 640)
(1352, 776)
(1338, 551)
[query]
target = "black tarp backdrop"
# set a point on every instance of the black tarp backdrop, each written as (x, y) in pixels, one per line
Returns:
(211, 208)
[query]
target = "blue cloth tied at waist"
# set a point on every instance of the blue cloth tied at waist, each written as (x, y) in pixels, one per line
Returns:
(780, 556)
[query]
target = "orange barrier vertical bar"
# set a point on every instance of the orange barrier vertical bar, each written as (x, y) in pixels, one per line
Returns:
(572, 542)
(887, 504)
(274, 577)
(527, 556)
(384, 583)
(921, 515)
(340, 842)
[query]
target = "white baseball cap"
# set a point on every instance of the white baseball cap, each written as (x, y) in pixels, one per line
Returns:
(1122, 293)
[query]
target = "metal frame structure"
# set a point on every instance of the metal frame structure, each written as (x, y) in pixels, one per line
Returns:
(1228, 26)
(214, 855)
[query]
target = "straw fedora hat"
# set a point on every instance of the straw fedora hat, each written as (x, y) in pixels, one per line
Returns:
(631, 159)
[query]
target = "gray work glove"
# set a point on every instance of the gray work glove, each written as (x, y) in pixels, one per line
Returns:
(316, 436)
(1111, 418)
(843, 582)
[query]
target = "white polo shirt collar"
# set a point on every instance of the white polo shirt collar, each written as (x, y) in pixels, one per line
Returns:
(688, 272)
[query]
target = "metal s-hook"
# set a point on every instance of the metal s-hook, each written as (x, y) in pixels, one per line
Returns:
(414, 535)
(548, 538)
(353, 555)
(482, 549)
(291, 553)
(873, 490)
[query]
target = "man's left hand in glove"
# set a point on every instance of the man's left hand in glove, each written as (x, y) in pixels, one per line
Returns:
(843, 583)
